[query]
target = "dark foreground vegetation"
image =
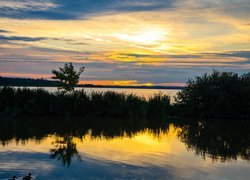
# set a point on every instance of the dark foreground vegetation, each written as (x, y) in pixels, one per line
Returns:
(39, 102)
(218, 95)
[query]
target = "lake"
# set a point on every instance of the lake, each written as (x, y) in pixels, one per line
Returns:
(82, 148)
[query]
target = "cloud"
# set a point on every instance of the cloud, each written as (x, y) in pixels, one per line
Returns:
(193, 10)
(27, 5)
(69, 41)
(20, 38)
(241, 54)
(238, 9)
(56, 44)
(198, 58)
(27, 62)
(80, 9)
(4, 31)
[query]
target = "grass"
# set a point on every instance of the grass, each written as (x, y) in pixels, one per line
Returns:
(39, 102)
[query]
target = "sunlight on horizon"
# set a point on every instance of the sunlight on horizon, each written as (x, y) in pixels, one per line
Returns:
(154, 43)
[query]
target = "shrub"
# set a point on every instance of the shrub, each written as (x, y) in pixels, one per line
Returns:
(216, 95)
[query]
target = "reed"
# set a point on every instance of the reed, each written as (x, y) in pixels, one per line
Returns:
(39, 102)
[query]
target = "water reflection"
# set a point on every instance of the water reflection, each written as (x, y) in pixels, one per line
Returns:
(63, 135)
(223, 140)
(64, 150)
(142, 148)
(219, 140)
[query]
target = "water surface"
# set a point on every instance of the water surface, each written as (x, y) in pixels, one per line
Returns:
(58, 148)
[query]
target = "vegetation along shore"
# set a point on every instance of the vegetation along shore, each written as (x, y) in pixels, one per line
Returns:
(215, 95)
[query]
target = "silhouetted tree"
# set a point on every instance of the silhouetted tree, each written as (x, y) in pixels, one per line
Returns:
(216, 95)
(67, 76)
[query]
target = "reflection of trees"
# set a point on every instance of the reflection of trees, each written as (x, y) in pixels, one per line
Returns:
(224, 140)
(64, 150)
(221, 141)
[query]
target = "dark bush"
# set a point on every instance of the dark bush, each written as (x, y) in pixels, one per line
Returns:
(218, 95)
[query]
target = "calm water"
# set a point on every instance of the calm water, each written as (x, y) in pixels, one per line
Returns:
(60, 148)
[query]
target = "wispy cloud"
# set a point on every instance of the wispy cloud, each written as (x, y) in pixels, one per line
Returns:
(158, 69)
(84, 9)
(4, 31)
(80, 9)
(241, 57)
(20, 38)
(27, 5)
(135, 41)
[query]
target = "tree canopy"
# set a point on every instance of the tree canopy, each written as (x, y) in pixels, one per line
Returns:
(216, 95)
(67, 76)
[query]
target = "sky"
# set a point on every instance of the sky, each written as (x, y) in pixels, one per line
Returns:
(125, 42)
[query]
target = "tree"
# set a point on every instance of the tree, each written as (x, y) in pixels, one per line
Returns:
(216, 95)
(67, 76)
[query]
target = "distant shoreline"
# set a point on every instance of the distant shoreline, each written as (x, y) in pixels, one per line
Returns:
(28, 82)
(133, 87)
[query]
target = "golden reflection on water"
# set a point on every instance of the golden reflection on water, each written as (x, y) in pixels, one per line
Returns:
(131, 149)
(144, 149)
(143, 145)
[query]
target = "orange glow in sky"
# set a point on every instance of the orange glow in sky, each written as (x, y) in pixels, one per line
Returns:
(125, 42)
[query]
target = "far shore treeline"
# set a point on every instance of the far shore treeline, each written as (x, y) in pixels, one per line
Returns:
(217, 95)
(28, 82)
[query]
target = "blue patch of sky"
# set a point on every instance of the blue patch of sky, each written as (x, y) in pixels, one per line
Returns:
(81, 9)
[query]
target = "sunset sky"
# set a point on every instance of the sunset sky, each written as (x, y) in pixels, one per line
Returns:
(125, 42)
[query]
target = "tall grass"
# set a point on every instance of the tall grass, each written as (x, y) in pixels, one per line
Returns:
(39, 102)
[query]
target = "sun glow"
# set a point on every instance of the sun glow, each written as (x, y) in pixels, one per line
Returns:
(145, 37)
(116, 82)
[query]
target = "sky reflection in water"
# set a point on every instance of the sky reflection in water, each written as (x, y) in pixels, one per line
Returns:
(151, 150)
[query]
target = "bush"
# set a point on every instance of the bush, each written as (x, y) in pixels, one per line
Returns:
(218, 95)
